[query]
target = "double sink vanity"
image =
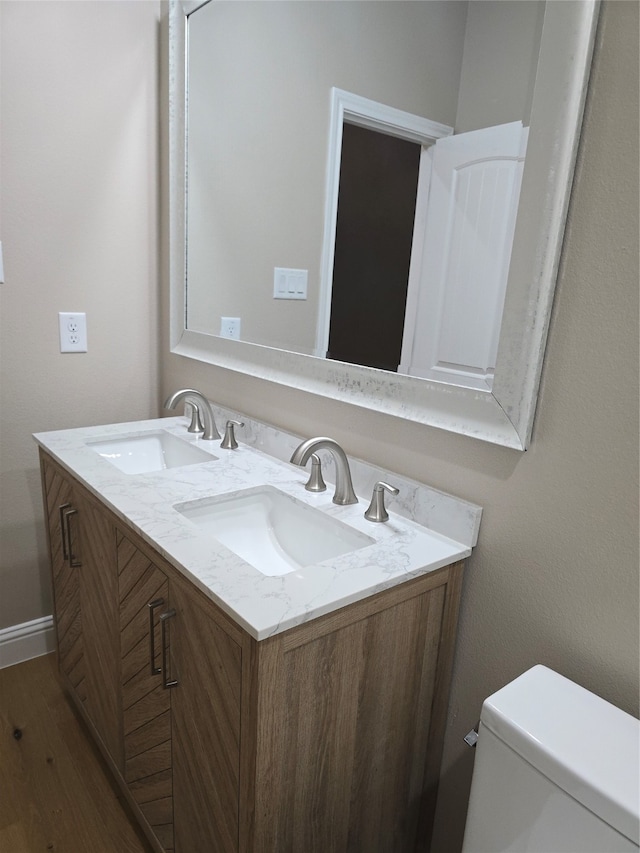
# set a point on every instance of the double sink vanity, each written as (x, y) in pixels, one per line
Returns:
(263, 669)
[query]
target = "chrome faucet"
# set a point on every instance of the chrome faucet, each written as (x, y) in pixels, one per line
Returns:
(344, 493)
(200, 402)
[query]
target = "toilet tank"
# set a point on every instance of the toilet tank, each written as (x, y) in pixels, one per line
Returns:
(556, 771)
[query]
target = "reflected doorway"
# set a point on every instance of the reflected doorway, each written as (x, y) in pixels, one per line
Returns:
(374, 231)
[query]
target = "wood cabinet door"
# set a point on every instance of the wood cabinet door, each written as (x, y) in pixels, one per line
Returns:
(144, 596)
(207, 663)
(83, 561)
(99, 605)
(58, 495)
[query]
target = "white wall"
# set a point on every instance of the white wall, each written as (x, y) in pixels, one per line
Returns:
(499, 36)
(554, 578)
(79, 225)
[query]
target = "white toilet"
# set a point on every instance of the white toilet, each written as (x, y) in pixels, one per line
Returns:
(556, 771)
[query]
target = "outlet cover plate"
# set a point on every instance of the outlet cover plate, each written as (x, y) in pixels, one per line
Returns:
(230, 328)
(73, 331)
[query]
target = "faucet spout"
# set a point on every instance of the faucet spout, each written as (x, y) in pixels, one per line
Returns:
(197, 399)
(344, 493)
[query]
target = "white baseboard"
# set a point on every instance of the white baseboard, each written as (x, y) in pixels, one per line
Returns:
(28, 640)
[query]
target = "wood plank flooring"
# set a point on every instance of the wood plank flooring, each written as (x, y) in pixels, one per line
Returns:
(56, 793)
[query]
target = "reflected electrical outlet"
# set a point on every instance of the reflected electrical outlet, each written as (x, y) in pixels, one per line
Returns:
(230, 327)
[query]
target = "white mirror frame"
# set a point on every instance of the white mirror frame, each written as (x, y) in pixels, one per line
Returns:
(505, 414)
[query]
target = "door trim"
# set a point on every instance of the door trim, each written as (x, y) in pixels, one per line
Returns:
(354, 109)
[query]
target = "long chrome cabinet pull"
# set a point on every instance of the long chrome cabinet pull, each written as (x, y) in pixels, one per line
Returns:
(67, 513)
(63, 529)
(155, 670)
(166, 681)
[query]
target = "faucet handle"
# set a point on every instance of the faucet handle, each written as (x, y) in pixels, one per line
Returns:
(377, 510)
(229, 441)
(315, 482)
(196, 423)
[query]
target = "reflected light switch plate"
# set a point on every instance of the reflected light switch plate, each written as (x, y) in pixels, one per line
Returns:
(289, 284)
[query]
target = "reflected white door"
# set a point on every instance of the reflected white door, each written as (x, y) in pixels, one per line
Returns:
(461, 255)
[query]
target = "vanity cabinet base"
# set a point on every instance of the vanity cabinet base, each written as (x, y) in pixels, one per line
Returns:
(326, 738)
(350, 713)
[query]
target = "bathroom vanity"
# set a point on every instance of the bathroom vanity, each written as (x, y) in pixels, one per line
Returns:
(239, 711)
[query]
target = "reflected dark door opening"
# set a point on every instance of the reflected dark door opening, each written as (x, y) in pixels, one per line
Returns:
(374, 232)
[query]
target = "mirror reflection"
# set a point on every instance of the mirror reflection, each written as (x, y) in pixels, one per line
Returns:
(353, 176)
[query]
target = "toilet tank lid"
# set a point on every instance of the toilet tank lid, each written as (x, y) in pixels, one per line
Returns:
(585, 745)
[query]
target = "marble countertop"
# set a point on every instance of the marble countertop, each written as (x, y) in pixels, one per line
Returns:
(262, 605)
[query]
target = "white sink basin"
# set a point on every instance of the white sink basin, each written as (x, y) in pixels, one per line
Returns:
(149, 451)
(272, 531)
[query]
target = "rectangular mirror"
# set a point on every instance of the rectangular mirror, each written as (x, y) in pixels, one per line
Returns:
(258, 197)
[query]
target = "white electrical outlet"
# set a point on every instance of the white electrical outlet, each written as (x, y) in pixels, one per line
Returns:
(73, 331)
(230, 328)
